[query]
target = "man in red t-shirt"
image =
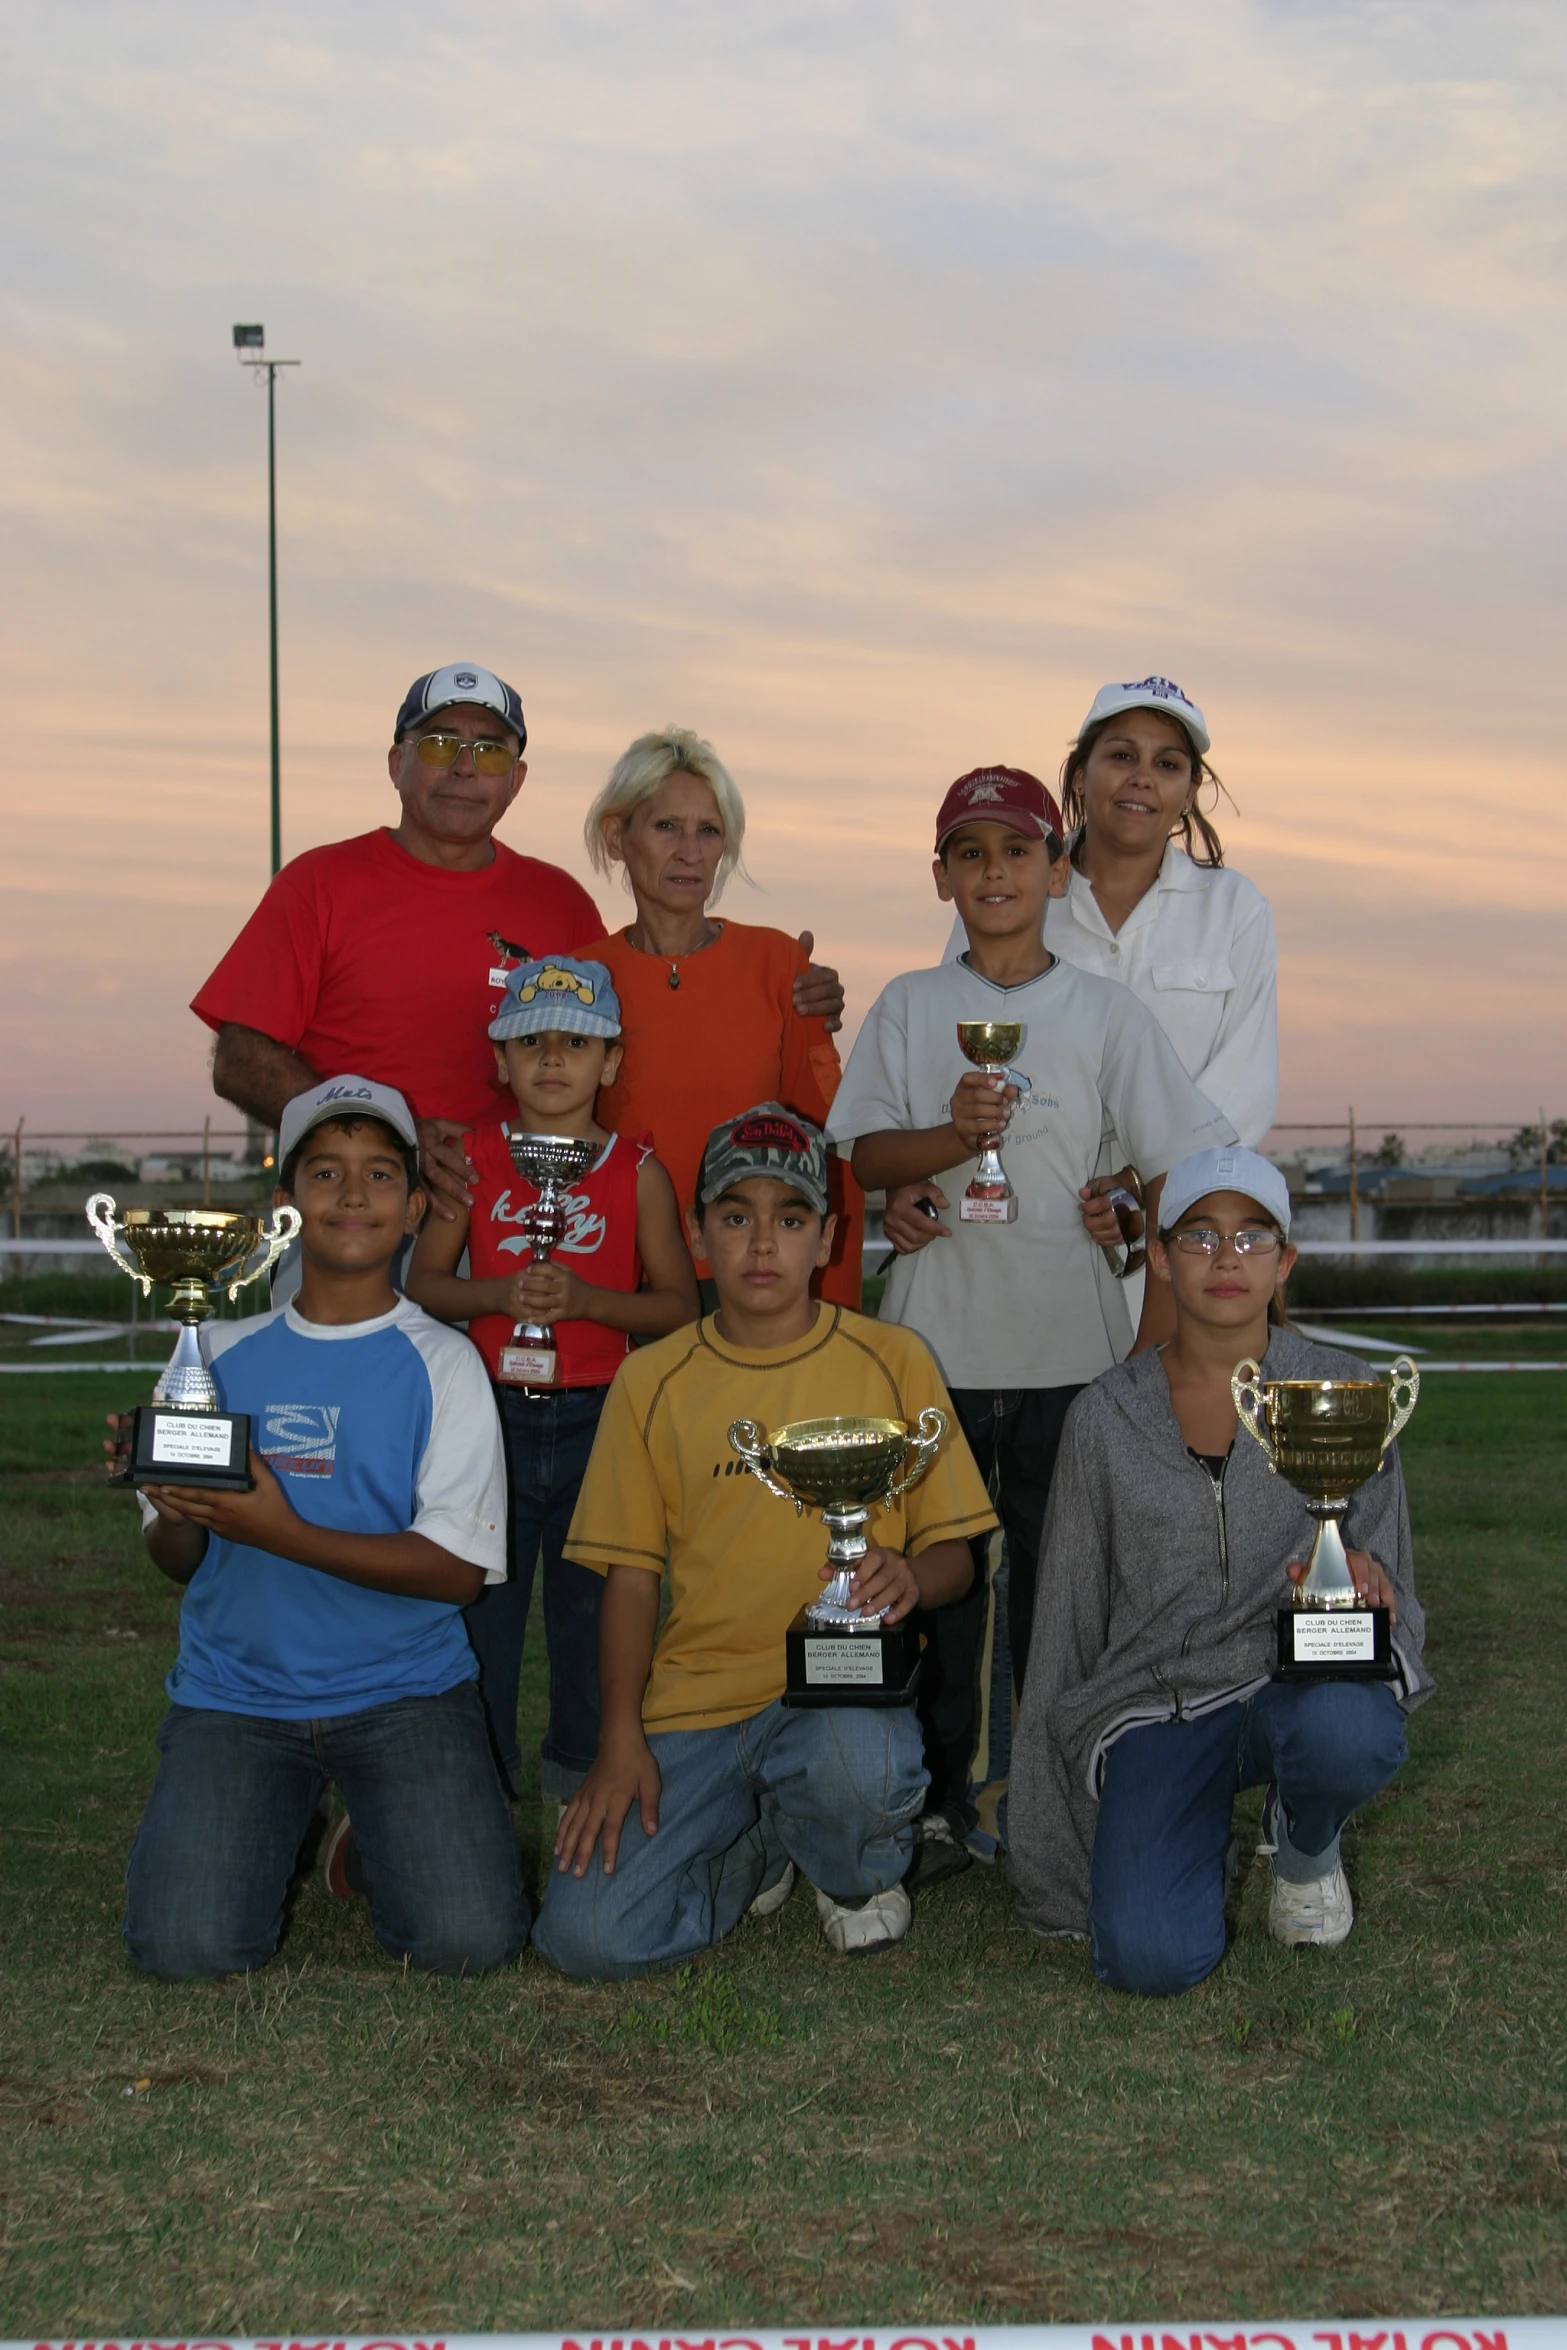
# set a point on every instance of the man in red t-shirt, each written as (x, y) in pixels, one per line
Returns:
(388, 953)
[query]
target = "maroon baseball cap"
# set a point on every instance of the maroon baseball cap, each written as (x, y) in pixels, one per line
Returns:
(999, 795)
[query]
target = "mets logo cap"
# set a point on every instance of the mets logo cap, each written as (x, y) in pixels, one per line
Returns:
(344, 1097)
(576, 999)
(461, 681)
(1151, 693)
(767, 1140)
(1000, 795)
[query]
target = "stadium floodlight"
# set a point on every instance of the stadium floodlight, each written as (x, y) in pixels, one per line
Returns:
(250, 343)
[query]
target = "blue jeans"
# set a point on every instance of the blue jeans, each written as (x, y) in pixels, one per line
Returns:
(219, 1841)
(832, 1789)
(1014, 1435)
(548, 1437)
(1157, 1882)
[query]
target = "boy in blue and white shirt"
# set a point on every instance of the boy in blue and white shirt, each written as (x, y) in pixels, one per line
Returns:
(321, 1635)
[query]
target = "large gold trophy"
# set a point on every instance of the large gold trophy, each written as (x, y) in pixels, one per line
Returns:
(181, 1437)
(990, 1045)
(847, 1467)
(1327, 1437)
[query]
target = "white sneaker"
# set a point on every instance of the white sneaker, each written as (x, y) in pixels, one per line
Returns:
(882, 1919)
(1319, 1911)
(768, 1903)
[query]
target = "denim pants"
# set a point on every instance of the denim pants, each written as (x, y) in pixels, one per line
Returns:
(833, 1789)
(1157, 1882)
(1014, 1435)
(234, 1794)
(548, 1437)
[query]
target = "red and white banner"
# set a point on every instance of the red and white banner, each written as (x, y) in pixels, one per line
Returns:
(1385, 2333)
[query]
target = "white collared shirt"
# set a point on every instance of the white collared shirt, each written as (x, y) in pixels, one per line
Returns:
(1199, 951)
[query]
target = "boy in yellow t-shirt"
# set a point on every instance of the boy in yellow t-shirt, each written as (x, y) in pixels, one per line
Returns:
(708, 1791)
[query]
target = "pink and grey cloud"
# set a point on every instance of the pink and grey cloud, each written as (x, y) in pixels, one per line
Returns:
(862, 385)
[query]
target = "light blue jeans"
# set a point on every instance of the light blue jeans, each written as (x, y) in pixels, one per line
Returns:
(834, 1789)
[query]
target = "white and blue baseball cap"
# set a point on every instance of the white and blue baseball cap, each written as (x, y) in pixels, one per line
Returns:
(1151, 693)
(557, 992)
(344, 1097)
(1232, 1169)
(461, 681)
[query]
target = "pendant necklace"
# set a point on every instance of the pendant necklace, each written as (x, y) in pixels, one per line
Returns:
(714, 930)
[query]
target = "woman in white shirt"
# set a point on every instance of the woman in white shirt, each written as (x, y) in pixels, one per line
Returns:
(1152, 903)
(1171, 922)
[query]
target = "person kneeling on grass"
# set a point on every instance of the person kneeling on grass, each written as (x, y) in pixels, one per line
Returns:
(321, 1634)
(708, 1791)
(1168, 1547)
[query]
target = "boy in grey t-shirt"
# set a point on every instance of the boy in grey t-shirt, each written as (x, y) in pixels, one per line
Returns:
(1019, 1315)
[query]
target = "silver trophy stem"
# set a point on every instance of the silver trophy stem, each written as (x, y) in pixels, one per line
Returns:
(546, 1230)
(186, 1384)
(1328, 1582)
(846, 1546)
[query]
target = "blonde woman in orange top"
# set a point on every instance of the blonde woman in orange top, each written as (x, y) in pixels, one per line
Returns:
(715, 1014)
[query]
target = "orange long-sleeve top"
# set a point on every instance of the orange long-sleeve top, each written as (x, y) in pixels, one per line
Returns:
(727, 1037)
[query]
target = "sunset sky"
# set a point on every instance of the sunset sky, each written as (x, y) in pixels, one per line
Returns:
(861, 385)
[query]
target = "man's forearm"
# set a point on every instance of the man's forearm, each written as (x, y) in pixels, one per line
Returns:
(628, 1628)
(883, 1161)
(408, 1564)
(257, 1074)
(943, 1572)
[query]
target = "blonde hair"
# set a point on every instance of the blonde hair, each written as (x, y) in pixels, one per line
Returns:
(643, 770)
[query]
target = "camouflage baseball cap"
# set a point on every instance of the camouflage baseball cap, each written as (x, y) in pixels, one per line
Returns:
(767, 1140)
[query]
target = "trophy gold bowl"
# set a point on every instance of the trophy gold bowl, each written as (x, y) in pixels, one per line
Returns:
(847, 1467)
(551, 1163)
(181, 1437)
(990, 1045)
(1327, 1437)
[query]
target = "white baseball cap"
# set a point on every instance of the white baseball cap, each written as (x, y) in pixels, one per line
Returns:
(344, 1097)
(1247, 1172)
(461, 681)
(1151, 693)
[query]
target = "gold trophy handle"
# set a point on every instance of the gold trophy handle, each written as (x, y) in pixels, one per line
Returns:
(285, 1223)
(1246, 1394)
(100, 1215)
(930, 1428)
(1403, 1395)
(745, 1438)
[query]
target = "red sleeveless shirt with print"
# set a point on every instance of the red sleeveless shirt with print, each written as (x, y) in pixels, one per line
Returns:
(600, 1243)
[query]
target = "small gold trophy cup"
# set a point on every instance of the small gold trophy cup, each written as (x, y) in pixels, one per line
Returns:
(990, 1045)
(551, 1163)
(1327, 1437)
(181, 1437)
(845, 1468)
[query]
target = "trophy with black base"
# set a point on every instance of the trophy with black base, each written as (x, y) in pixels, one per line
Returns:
(551, 1163)
(181, 1437)
(837, 1654)
(1327, 1437)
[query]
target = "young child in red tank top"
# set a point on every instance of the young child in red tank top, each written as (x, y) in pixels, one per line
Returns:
(552, 1334)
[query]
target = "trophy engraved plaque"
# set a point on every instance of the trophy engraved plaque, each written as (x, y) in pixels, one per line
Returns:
(990, 1045)
(550, 1162)
(836, 1655)
(1327, 1437)
(181, 1437)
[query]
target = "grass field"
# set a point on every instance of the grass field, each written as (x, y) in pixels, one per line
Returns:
(965, 2127)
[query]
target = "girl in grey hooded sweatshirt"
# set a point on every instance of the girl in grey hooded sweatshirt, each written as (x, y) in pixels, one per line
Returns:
(1167, 1550)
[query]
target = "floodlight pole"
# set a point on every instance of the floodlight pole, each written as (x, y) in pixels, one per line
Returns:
(246, 340)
